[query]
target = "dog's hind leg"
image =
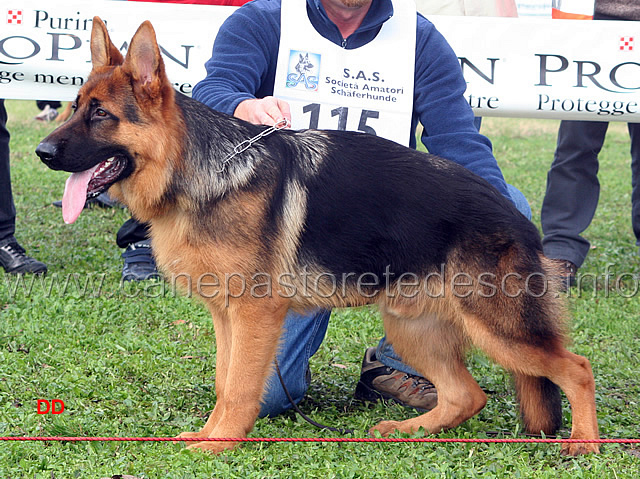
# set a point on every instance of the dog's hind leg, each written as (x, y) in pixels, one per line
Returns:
(572, 373)
(255, 328)
(434, 347)
(574, 376)
(533, 365)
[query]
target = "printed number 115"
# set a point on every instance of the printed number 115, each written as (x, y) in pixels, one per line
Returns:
(342, 114)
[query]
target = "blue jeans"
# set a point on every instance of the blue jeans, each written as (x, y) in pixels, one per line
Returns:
(520, 201)
(302, 336)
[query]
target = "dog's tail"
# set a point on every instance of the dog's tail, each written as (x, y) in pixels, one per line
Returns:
(540, 404)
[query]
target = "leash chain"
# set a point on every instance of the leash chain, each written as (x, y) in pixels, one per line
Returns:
(246, 144)
(297, 409)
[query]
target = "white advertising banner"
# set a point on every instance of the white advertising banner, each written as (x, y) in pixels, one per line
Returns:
(44, 44)
(542, 68)
(515, 67)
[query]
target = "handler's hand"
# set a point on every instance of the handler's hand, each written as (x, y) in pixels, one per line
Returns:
(263, 111)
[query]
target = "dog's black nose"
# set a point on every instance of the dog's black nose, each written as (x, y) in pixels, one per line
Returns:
(47, 151)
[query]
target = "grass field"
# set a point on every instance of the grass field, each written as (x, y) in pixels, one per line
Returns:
(140, 360)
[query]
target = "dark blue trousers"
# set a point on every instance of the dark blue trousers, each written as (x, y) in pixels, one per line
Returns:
(7, 208)
(573, 188)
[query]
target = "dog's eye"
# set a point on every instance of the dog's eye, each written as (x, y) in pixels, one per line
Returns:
(74, 106)
(100, 114)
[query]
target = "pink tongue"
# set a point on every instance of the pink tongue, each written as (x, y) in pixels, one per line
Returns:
(75, 194)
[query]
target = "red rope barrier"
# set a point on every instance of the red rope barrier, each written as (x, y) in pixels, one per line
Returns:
(320, 439)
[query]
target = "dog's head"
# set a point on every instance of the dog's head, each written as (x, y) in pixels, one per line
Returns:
(119, 135)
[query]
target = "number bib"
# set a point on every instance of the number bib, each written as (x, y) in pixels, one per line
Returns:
(367, 89)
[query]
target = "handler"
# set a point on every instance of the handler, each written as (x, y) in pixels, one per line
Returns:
(13, 257)
(573, 188)
(356, 65)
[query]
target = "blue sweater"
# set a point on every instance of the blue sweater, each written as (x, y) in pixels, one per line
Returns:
(243, 66)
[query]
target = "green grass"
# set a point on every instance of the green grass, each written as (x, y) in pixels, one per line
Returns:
(140, 361)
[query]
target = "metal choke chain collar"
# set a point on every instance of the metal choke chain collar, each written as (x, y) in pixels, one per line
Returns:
(246, 144)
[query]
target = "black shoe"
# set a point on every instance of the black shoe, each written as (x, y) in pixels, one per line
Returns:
(380, 382)
(139, 264)
(14, 260)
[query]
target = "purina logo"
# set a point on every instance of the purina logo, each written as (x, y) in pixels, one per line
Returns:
(304, 70)
(14, 17)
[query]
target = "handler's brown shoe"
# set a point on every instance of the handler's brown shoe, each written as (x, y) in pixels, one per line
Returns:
(380, 382)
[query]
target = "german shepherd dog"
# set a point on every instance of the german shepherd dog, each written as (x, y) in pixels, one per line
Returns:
(340, 219)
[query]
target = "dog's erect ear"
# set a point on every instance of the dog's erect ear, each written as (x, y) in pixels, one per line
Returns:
(103, 52)
(144, 61)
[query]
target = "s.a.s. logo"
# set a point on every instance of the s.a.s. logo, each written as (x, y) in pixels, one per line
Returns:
(304, 70)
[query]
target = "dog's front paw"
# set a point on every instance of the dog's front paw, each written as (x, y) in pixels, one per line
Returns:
(189, 435)
(579, 448)
(385, 428)
(214, 447)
